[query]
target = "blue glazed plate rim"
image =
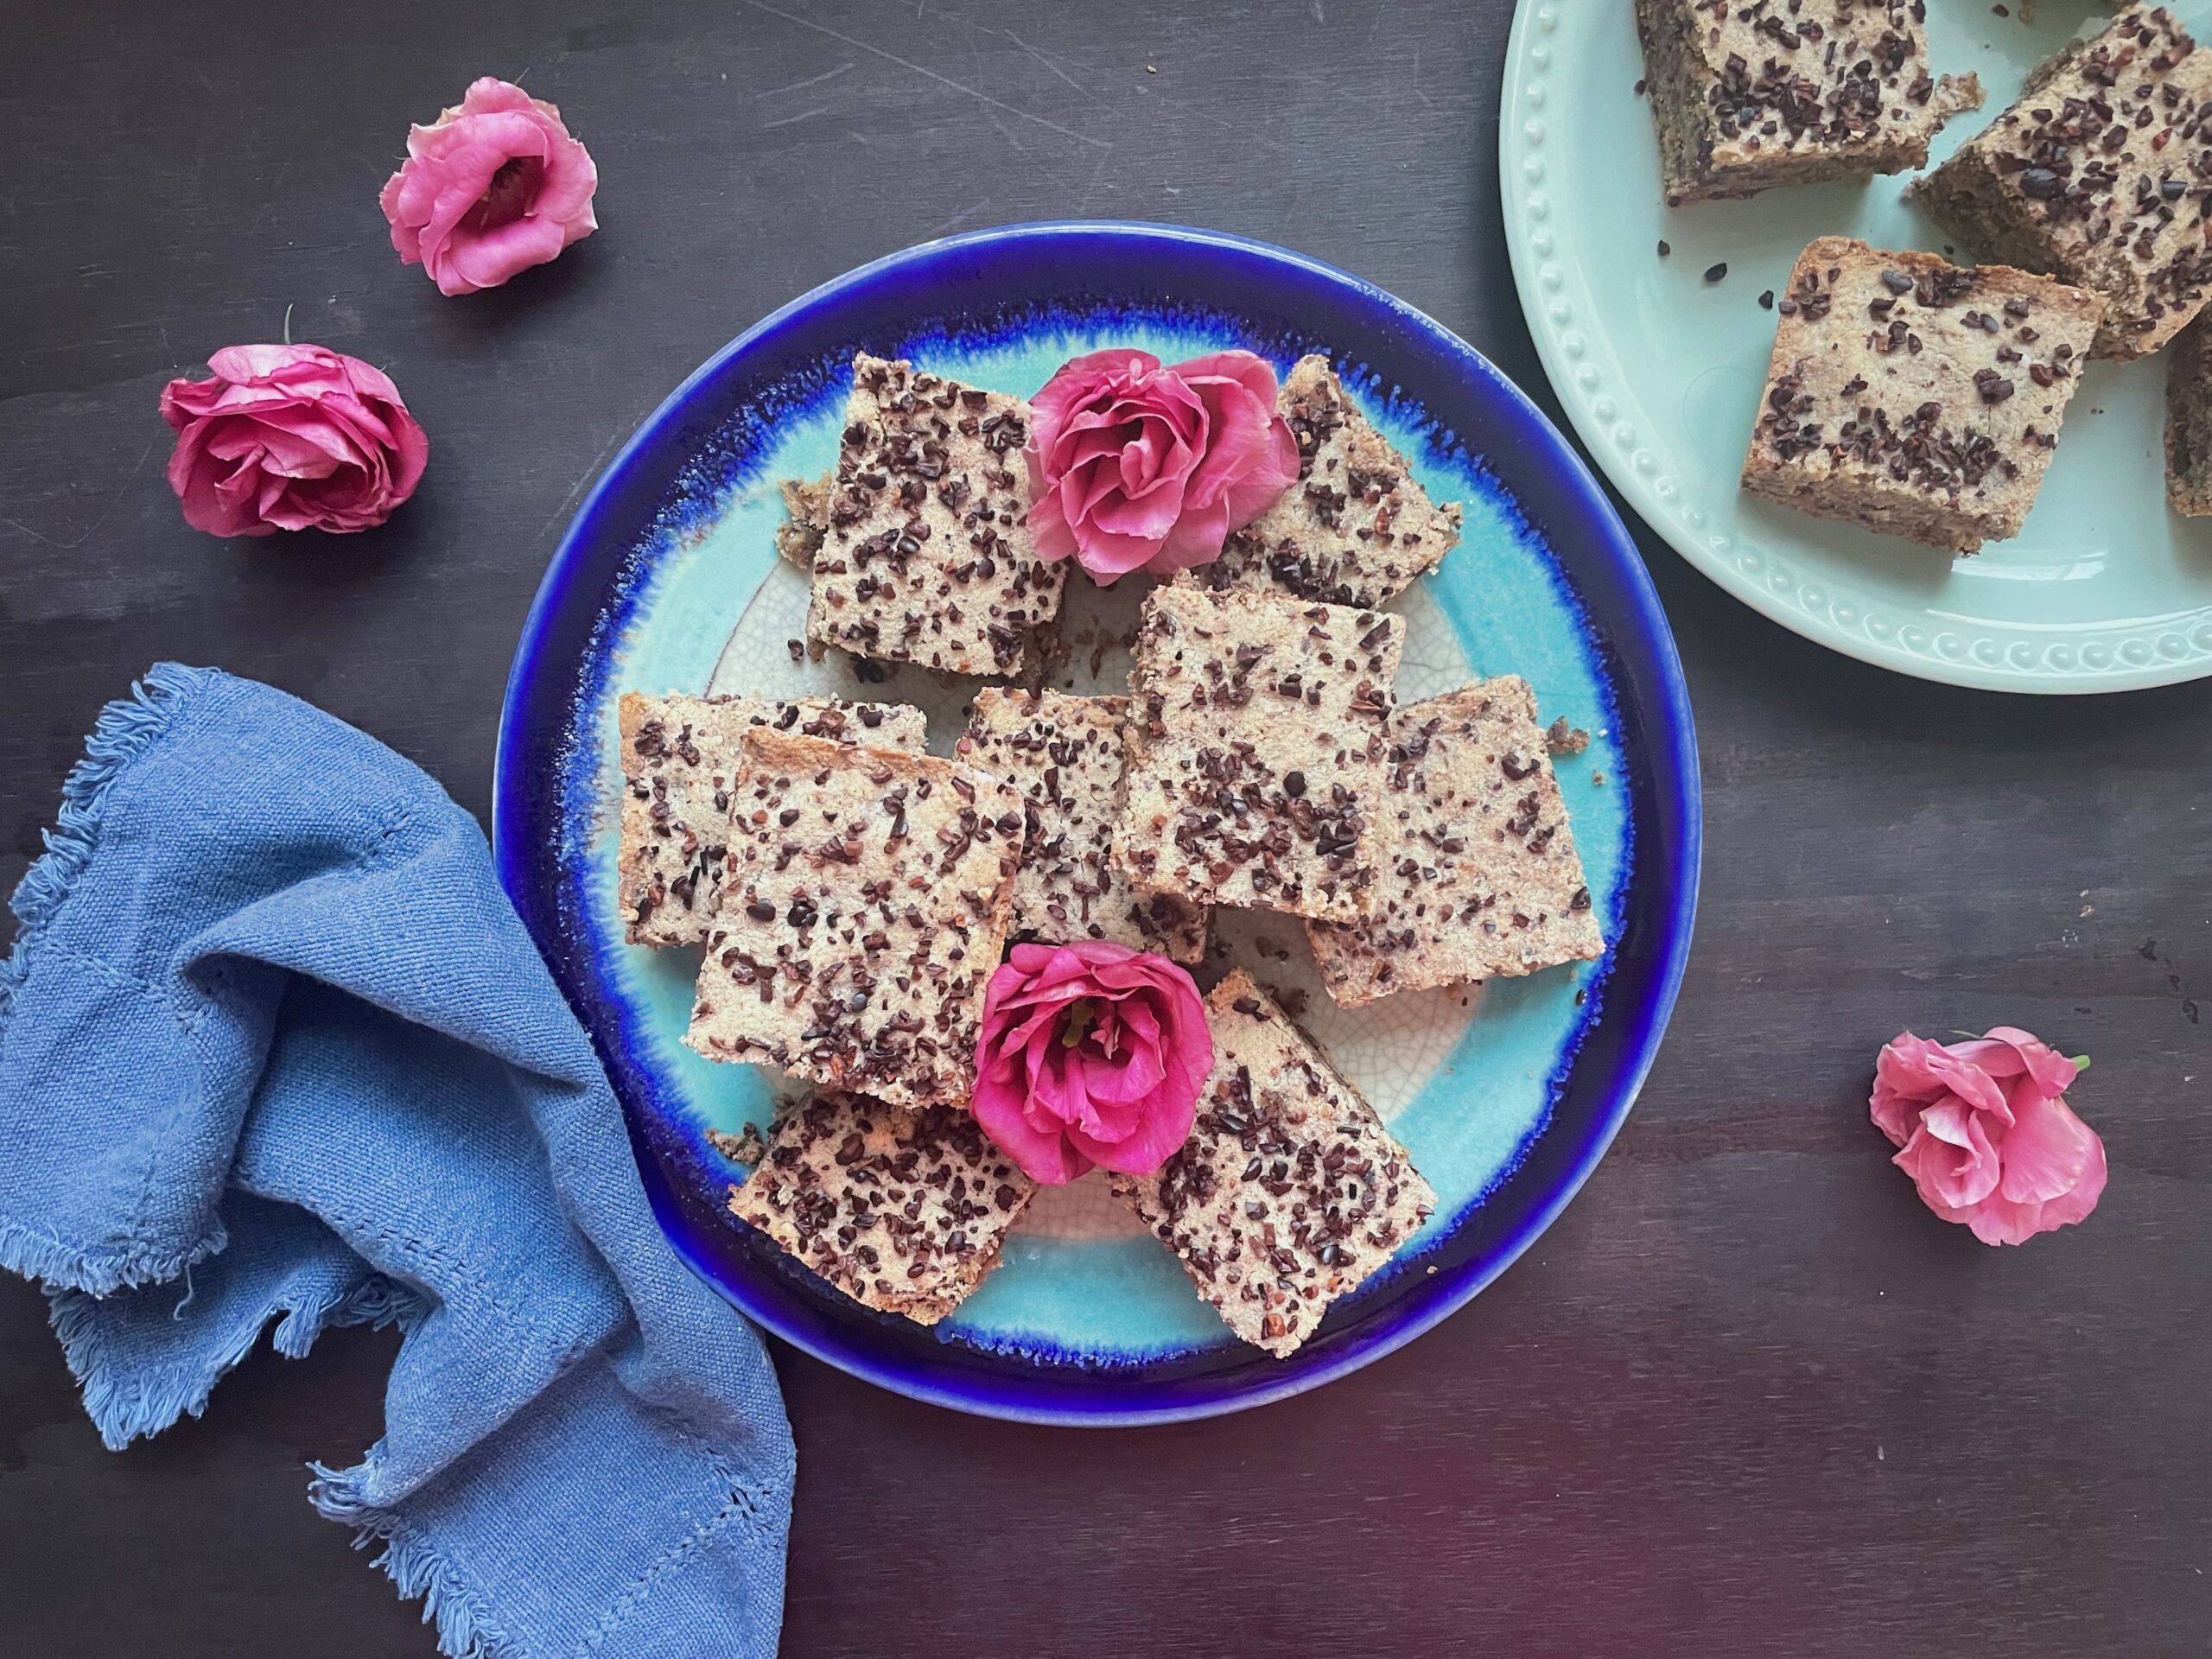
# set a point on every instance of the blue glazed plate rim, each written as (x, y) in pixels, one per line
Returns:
(591, 550)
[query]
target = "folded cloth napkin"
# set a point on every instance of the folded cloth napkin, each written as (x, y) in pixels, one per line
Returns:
(274, 1046)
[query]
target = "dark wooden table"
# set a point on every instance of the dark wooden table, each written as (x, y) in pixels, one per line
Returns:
(1747, 1396)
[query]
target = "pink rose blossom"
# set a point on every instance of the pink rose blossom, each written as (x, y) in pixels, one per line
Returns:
(1090, 1053)
(1987, 1135)
(489, 189)
(1133, 466)
(291, 437)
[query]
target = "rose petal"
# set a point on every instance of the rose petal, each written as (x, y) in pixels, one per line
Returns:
(2046, 1153)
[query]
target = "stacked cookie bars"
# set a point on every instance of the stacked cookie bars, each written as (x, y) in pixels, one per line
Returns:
(851, 893)
(1905, 393)
(864, 904)
(2099, 176)
(1067, 756)
(680, 760)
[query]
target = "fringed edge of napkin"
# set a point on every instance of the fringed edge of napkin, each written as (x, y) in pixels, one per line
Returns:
(127, 1406)
(126, 729)
(418, 1568)
(418, 1571)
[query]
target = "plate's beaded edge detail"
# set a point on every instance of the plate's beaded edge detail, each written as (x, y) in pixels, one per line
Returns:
(1552, 297)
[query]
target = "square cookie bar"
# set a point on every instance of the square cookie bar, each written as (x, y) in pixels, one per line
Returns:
(1914, 397)
(2099, 176)
(864, 908)
(1479, 875)
(1751, 93)
(904, 1211)
(680, 760)
(1067, 754)
(1289, 1193)
(1255, 750)
(1355, 529)
(925, 557)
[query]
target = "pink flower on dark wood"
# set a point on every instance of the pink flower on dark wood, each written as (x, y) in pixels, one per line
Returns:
(493, 187)
(291, 437)
(1986, 1134)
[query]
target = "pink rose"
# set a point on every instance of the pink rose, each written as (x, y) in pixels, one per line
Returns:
(1090, 1053)
(291, 437)
(490, 188)
(1133, 466)
(1987, 1138)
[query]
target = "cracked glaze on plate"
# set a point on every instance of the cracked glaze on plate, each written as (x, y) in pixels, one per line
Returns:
(667, 580)
(1660, 372)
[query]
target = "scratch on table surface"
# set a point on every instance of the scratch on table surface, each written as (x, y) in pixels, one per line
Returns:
(786, 120)
(1046, 61)
(964, 214)
(1097, 173)
(585, 477)
(812, 80)
(106, 512)
(1244, 130)
(1006, 133)
(928, 73)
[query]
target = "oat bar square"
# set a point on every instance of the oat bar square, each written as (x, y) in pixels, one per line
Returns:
(1747, 94)
(1914, 397)
(1257, 750)
(904, 1211)
(925, 557)
(1067, 754)
(1479, 874)
(865, 906)
(680, 759)
(1356, 528)
(1289, 1193)
(2099, 176)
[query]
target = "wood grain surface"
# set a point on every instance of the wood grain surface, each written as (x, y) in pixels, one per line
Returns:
(1746, 1397)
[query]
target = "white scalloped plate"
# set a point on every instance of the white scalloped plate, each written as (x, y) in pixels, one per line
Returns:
(2103, 590)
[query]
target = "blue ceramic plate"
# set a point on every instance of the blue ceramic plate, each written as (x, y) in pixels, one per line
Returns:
(1506, 1097)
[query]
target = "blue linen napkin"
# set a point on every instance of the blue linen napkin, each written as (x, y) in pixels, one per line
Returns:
(275, 1046)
